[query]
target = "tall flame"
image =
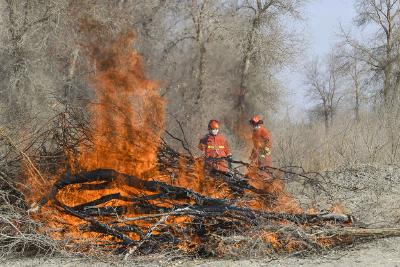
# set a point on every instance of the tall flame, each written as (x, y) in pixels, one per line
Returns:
(128, 117)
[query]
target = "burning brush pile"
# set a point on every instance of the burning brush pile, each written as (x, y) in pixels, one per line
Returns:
(125, 190)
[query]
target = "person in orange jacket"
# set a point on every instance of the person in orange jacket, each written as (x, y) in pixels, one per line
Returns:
(215, 146)
(261, 153)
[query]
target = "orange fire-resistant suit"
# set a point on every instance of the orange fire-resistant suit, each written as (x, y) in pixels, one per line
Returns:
(261, 153)
(215, 147)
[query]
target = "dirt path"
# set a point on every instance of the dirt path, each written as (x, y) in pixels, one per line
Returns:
(385, 252)
(378, 253)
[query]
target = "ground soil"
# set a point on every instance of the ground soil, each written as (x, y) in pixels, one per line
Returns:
(385, 252)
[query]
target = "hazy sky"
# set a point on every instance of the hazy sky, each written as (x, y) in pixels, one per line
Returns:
(324, 17)
(321, 30)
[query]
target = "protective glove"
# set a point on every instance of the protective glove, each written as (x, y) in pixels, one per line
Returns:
(229, 160)
(253, 156)
(267, 151)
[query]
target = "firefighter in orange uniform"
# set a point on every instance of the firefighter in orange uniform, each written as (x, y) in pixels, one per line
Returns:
(214, 147)
(261, 153)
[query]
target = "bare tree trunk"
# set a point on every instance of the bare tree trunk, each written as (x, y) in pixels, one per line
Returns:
(386, 84)
(16, 94)
(200, 71)
(71, 73)
(389, 67)
(354, 74)
(246, 67)
(397, 85)
(200, 75)
(21, 20)
(357, 100)
(326, 118)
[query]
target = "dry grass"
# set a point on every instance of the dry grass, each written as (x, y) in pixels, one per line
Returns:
(373, 140)
(19, 234)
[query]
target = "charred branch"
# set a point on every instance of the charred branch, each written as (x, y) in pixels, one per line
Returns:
(202, 214)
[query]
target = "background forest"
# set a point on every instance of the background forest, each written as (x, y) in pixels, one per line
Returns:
(215, 59)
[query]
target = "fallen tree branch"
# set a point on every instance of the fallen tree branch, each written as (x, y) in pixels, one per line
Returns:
(26, 158)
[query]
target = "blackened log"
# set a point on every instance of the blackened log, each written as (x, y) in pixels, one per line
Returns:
(97, 186)
(251, 216)
(172, 192)
(129, 228)
(138, 205)
(211, 205)
(360, 233)
(95, 225)
(100, 200)
(108, 175)
(104, 211)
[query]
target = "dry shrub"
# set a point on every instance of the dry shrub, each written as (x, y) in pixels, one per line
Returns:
(19, 234)
(372, 140)
(29, 148)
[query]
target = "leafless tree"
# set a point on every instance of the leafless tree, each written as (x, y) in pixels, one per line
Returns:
(26, 23)
(262, 13)
(202, 20)
(323, 87)
(380, 53)
(356, 72)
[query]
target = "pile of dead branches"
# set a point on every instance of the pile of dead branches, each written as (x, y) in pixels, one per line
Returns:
(42, 151)
(150, 214)
(154, 217)
(19, 233)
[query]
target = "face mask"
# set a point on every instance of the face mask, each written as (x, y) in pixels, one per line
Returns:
(214, 131)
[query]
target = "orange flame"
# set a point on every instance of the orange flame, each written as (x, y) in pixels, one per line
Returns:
(338, 208)
(127, 120)
(128, 117)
